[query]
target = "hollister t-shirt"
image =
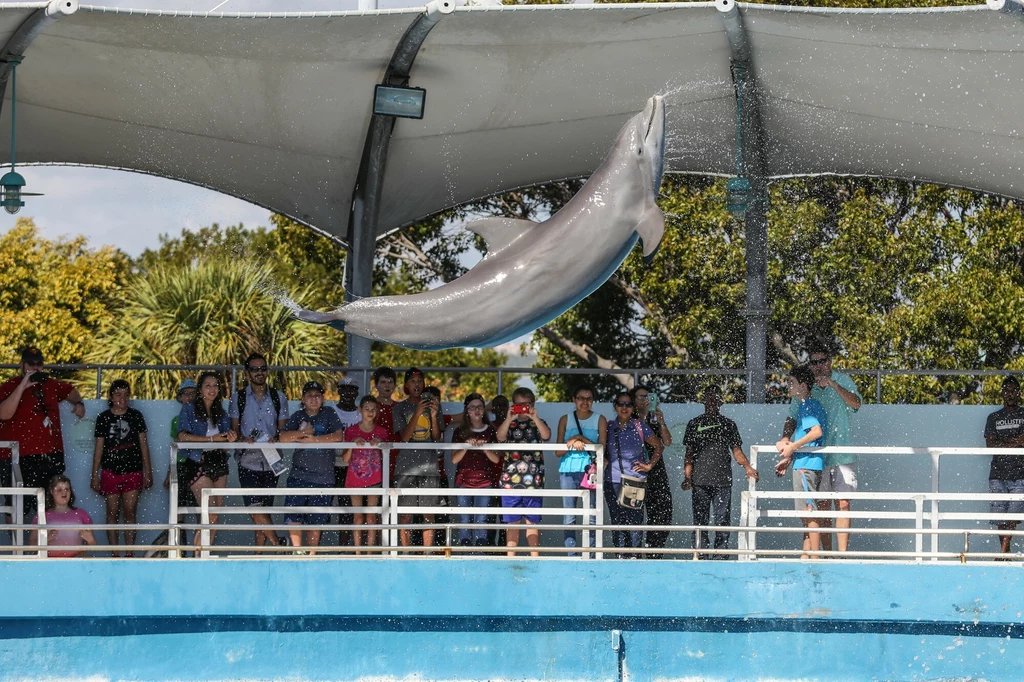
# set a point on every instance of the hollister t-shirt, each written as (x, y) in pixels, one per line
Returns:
(1004, 425)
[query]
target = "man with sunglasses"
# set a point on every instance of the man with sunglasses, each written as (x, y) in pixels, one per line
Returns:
(838, 394)
(30, 414)
(258, 412)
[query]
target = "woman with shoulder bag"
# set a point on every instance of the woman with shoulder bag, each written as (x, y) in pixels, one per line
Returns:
(576, 467)
(628, 467)
(659, 494)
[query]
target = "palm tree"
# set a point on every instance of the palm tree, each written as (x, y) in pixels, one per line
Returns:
(214, 311)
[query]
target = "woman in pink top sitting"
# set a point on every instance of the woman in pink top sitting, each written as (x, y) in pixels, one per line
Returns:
(61, 511)
(364, 467)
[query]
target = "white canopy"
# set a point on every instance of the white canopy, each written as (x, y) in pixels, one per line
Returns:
(274, 109)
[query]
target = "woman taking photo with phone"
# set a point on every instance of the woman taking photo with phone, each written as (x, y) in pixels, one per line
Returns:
(576, 466)
(474, 473)
(205, 420)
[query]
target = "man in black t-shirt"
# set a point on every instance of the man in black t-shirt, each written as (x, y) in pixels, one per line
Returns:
(1005, 429)
(712, 442)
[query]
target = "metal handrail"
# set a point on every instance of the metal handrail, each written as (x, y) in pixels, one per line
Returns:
(749, 513)
(388, 493)
(634, 372)
(449, 549)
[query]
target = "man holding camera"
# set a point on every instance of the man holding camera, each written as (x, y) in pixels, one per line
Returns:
(30, 414)
(417, 420)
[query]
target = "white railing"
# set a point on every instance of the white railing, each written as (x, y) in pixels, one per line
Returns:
(750, 512)
(390, 507)
(14, 509)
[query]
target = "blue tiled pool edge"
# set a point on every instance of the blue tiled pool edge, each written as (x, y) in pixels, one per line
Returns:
(471, 619)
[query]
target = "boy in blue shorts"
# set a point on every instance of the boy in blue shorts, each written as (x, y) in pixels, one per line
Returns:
(313, 468)
(811, 424)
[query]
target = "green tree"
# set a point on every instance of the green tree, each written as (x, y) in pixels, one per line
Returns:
(213, 311)
(55, 294)
(294, 258)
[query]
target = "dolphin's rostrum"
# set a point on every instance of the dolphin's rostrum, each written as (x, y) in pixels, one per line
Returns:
(533, 272)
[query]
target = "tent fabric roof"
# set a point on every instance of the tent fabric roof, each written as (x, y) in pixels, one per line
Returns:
(274, 108)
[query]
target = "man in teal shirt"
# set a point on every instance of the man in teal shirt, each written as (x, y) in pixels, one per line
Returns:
(839, 396)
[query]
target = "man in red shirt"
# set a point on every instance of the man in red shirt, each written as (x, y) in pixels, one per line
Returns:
(30, 414)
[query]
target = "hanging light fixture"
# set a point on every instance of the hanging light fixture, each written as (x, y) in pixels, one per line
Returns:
(12, 182)
(738, 190)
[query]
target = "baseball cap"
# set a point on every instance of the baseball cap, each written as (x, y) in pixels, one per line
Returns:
(312, 386)
(186, 384)
(411, 372)
(347, 382)
(32, 356)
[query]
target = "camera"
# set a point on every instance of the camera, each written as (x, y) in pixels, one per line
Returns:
(38, 377)
(521, 409)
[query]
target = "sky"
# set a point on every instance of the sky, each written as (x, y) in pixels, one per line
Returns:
(131, 210)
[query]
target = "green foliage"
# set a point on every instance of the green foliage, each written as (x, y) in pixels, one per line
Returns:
(55, 294)
(214, 311)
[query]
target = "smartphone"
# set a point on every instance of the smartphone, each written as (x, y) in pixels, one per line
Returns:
(652, 402)
(39, 377)
(521, 409)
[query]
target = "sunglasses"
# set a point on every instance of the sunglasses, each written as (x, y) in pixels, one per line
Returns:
(584, 399)
(820, 361)
(621, 404)
(258, 370)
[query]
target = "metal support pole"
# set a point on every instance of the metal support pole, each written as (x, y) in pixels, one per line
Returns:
(366, 197)
(752, 151)
(757, 293)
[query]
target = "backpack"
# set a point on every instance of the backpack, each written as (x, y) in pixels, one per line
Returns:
(275, 397)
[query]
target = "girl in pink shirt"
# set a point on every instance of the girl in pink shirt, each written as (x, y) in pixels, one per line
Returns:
(61, 511)
(364, 467)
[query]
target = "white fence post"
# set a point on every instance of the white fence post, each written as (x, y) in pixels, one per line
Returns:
(935, 502)
(204, 519)
(919, 525)
(172, 489)
(43, 536)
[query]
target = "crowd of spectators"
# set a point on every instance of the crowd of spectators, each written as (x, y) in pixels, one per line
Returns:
(636, 487)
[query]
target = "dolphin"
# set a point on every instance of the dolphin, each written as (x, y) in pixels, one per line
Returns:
(533, 272)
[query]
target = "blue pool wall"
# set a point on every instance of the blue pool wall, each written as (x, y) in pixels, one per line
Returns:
(474, 619)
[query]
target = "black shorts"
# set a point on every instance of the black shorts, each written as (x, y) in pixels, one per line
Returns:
(186, 474)
(214, 465)
(256, 479)
(36, 472)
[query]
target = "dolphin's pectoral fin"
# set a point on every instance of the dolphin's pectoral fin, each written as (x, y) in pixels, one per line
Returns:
(330, 319)
(500, 232)
(651, 229)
